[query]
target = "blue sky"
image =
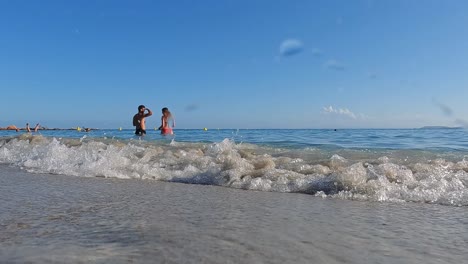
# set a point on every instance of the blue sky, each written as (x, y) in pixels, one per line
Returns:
(235, 64)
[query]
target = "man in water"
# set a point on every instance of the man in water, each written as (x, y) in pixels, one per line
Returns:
(139, 120)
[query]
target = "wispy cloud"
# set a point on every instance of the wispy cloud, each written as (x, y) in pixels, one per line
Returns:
(342, 112)
(461, 122)
(290, 47)
(444, 108)
(191, 107)
(447, 111)
(372, 75)
(334, 65)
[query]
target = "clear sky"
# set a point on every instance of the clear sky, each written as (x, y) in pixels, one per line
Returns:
(235, 64)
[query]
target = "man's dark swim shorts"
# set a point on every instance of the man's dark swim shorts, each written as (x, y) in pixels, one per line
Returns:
(140, 131)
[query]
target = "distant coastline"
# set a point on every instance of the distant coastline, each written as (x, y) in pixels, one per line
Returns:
(439, 127)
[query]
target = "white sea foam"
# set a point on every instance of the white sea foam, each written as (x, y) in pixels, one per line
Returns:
(360, 176)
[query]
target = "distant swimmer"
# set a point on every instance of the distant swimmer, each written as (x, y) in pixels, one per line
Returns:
(139, 120)
(10, 127)
(165, 119)
(35, 128)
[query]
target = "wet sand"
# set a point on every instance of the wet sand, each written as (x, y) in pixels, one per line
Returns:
(68, 219)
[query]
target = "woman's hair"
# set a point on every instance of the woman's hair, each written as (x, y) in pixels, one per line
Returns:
(166, 110)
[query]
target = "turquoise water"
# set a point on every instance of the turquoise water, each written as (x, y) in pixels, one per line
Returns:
(387, 165)
(430, 139)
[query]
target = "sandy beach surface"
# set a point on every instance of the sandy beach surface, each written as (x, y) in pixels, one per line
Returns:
(66, 219)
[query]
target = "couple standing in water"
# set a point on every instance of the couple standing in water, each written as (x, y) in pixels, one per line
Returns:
(139, 121)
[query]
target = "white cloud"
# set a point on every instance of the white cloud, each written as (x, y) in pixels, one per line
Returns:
(342, 112)
(291, 47)
(334, 65)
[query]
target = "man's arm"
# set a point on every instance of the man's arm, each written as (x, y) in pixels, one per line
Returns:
(149, 113)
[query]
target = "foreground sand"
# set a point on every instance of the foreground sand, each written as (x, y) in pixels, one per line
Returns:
(69, 219)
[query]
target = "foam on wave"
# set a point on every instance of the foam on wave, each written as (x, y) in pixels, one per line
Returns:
(360, 176)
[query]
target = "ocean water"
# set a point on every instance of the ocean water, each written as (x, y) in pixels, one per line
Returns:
(389, 165)
(234, 196)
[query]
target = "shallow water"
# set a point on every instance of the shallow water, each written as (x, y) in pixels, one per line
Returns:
(66, 219)
(434, 139)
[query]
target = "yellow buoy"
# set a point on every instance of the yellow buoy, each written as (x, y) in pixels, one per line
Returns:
(205, 129)
(120, 129)
(78, 129)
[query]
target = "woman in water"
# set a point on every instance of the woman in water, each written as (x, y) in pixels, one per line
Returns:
(165, 118)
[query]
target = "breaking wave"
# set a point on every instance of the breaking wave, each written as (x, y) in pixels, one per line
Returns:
(377, 175)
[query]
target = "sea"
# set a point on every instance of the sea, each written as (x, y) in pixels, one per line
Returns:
(235, 196)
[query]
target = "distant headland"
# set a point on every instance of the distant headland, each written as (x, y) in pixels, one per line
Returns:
(439, 127)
